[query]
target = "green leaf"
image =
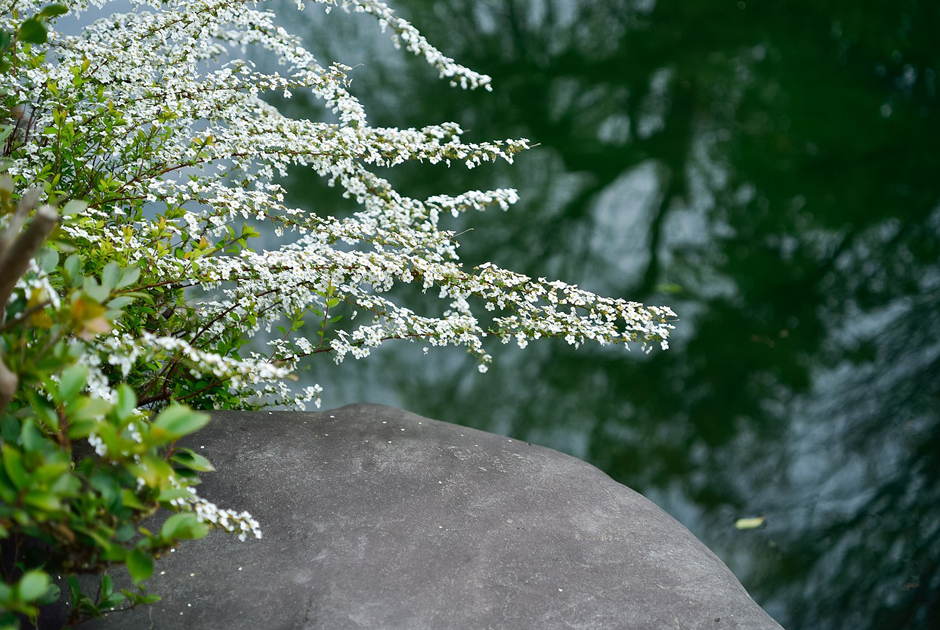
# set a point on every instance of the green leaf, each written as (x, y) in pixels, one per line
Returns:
(155, 471)
(74, 207)
(139, 565)
(72, 382)
(124, 533)
(107, 586)
(51, 595)
(53, 10)
(140, 598)
(8, 492)
(79, 429)
(31, 437)
(112, 602)
(13, 465)
(73, 266)
(9, 428)
(67, 485)
(75, 589)
(126, 402)
(129, 276)
(179, 420)
(94, 290)
(169, 494)
(750, 523)
(54, 467)
(193, 461)
(33, 31)
(139, 295)
(120, 302)
(183, 526)
(45, 501)
(110, 276)
(47, 259)
(84, 409)
(668, 288)
(44, 409)
(106, 484)
(33, 585)
(130, 500)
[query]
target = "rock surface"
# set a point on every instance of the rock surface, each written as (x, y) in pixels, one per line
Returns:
(379, 519)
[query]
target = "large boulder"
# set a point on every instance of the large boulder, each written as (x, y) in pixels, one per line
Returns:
(379, 519)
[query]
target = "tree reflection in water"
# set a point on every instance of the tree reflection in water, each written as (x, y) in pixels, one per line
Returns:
(770, 171)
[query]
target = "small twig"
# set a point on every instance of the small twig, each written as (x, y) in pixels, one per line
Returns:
(25, 315)
(14, 259)
(27, 202)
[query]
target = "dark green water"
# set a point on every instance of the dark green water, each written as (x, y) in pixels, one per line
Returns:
(771, 171)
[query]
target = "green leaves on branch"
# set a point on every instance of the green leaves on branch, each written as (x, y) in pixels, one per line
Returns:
(85, 509)
(139, 565)
(33, 589)
(33, 30)
(183, 527)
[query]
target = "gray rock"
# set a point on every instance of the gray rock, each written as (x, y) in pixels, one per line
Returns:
(379, 519)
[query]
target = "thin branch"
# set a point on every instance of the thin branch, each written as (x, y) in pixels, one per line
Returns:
(27, 202)
(25, 315)
(14, 260)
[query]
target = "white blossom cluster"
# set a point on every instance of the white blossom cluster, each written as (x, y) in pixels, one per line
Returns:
(180, 128)
(405, 34)
(240, 523)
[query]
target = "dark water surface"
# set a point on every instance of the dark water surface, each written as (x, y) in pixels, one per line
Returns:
(771, 171)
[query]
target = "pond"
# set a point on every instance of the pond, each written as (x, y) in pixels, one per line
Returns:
(770, 171)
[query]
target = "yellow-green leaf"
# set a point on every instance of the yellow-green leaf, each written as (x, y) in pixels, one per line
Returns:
(139, 565)
(750, 523)
(13, 465)
(72, 382)
(32, 585)
(179, 420)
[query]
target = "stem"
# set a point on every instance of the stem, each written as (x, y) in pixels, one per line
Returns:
(27, 202)
(24, 316)
(326, 318)
(14, 259)
(218, 317)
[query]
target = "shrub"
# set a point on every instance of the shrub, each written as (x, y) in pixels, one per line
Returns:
(142, 148)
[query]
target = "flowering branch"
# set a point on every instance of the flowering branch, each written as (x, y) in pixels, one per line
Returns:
(149, 291)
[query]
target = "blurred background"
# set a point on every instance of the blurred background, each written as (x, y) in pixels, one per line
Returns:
(770, 170)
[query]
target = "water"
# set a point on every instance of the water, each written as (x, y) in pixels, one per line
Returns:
(769, 170)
